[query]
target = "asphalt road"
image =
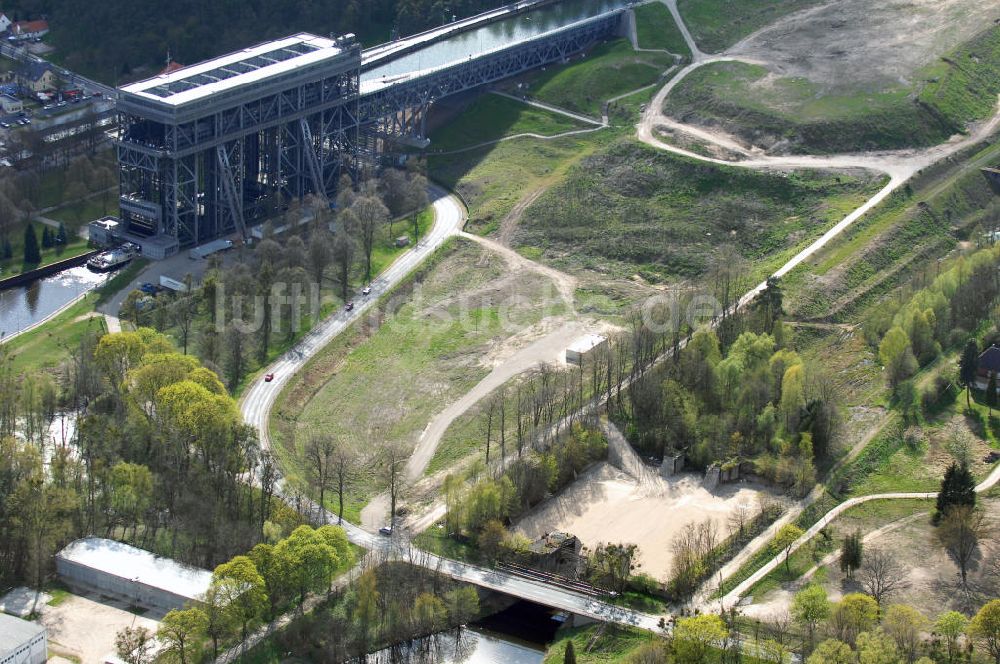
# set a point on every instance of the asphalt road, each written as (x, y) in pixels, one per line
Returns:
(449, 217)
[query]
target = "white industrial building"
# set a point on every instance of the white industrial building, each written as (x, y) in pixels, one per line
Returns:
(584, 347)
(135, 575)
(22, 642)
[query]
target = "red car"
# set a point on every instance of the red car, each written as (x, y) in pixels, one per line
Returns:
(268, 378)
(349, 306)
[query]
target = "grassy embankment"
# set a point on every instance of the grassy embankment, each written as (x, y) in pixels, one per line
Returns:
(492, 117)
(46, 346)
(633, 209)
(718, 24)
(493, 179)
(901, 241)
(384, 379)
(16, 265)
(959, 88)
(607, 71)
(655, 28)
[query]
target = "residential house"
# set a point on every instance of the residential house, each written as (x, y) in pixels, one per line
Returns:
(38, 76)
(22, 30)
(987, 365)
(5, 23)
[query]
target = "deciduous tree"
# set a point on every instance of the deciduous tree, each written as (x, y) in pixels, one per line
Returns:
(950, 625)
(984, 628)
(811, 608)
(179, 631)
(785, 538)
(961, 529)
(695, 638)
(881, 574)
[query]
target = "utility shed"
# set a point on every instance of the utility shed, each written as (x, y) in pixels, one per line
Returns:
(584, 347)
(135, 575)
(22, 642)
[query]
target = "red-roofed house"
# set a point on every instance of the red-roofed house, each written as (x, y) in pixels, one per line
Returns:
(987, 365)
(29, 29)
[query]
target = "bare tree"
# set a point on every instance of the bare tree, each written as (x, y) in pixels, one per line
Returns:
(960, 531)
(393, 474)
(371, 214)
(319, 453)
(881, 574)
(183, 312)
(344, 467)
(343, 248)
(739, 518)
(320, 254)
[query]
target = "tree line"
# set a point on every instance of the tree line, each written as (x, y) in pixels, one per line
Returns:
(248, 309)
(912, 332)
(244, 592)
(160, 459)
(128, 40)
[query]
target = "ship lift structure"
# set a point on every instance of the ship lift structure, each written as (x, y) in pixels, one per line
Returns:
(215, 148)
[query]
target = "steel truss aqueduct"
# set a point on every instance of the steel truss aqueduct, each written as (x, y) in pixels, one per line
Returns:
(216, 148)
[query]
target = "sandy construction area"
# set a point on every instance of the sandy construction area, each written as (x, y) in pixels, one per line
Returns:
(85, 627)
(608, 504)
(863, 45)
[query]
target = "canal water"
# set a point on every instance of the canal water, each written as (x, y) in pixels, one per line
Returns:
(517, 635)
(24, 306)
(500, 34)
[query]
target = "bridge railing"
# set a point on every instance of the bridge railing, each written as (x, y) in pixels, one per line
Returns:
(552, 579)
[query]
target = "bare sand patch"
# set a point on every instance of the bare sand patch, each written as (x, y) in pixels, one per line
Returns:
(863, 45)
(609, 505)
(85, 626)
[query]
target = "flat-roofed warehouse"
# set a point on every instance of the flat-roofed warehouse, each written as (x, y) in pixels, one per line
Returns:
(136, 575)
(215, 147)
(22, 642)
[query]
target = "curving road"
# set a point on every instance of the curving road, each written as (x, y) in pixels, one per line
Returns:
(449, 217)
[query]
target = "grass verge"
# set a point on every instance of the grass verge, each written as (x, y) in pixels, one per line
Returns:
(655, 28)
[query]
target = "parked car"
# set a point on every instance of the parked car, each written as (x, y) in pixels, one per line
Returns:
(5, 125)
(385, 530)
(148, 288)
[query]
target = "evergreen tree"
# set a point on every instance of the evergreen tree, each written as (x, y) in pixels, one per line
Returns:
(957, 488)
(967, 366)
(46, 238)
(32, 256)
(8, 249)
(570, 656)
(61, 237)
(850, 554)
